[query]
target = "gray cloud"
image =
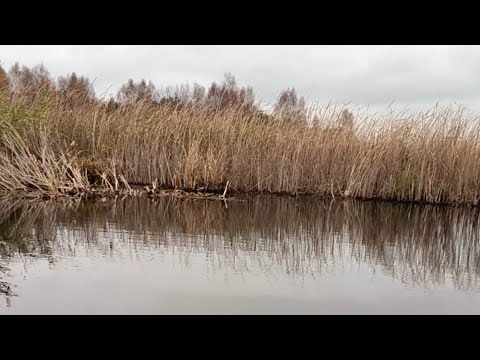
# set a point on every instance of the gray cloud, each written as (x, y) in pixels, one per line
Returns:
(376, 75)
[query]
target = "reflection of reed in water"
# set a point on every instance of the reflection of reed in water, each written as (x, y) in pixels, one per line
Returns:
(5, 288)
(417, 244)
(26, 228)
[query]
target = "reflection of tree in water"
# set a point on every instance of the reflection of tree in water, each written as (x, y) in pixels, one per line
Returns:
(423, 245)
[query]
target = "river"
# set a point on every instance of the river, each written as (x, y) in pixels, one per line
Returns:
(251, 255)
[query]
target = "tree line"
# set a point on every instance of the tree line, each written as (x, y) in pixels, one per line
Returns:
(36, 82)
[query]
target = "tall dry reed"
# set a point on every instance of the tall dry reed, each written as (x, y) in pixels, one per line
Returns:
(48, 145)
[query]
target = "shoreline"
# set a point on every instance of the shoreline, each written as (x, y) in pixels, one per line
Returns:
(209, 194)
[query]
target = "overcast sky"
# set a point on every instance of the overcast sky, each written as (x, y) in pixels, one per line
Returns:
(412, 76)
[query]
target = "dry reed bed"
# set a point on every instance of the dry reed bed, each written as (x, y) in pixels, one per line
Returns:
(427, 157)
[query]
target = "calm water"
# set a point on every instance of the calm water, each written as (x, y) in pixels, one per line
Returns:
(264, 255)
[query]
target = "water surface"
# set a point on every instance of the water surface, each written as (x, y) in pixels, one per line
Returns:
(263, 255)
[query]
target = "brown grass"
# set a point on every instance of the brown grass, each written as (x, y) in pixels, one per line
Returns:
(50, 146)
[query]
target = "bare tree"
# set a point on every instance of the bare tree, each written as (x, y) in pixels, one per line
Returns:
(289, 107)
(4, 81)
(26, 81)
(132, 92)
(229, 94)
(78, 90)
(213, 95)
(199, 94)
(346, 120)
